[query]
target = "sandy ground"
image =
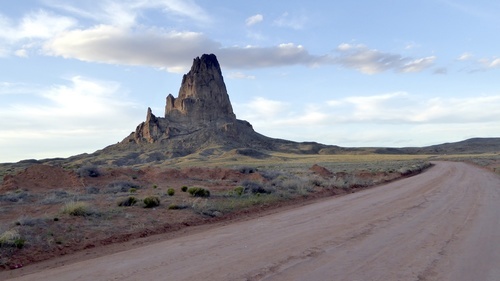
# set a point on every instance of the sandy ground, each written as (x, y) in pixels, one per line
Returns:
(441, 225)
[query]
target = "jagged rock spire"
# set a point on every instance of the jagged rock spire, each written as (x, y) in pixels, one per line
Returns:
(203, 96)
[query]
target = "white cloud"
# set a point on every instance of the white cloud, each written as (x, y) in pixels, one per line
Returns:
(125, 13)
(489, 63)
(417, 65)
(63, 118)
(35, 25)
(465, 56)
(391, 108)
(173, 51)
(22, 53)
(255, 19)
(372, 61)
(294, 22)
(169, 49)
(376, 120)
(240, 75)
(107, 44)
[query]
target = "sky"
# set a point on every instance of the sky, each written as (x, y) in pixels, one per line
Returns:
(76, 75)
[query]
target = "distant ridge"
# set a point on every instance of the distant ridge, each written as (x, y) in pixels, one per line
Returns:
(469, 146)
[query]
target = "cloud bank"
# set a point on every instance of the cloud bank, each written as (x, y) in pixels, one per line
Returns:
(64, 117)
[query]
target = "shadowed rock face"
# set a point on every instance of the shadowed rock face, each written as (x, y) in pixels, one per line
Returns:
(203, 96)
(202, 103)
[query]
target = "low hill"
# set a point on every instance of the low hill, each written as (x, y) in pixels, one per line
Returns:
(469, 146)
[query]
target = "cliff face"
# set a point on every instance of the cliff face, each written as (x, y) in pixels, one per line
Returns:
(202, 104)
(203, 96)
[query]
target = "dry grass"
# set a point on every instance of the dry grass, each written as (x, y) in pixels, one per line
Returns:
(77, 209)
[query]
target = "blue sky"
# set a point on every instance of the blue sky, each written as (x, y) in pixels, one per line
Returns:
(76, 76)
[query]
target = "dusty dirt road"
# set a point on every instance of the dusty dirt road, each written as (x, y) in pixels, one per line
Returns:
(440, 225)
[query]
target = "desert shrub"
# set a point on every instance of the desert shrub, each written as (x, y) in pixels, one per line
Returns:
(29, 221)
(16, 196)
(239, 190)
(254, 187)
(151, 201)
(77, 209)
(88, 171)
(170, 192)
(317, 181)
(184, 188)
(91, 190)
(247, 170)
(296, 185)
(177, 206)
(198, 192)
(11, 238)
(127, 201)
(55, 197)
(155, 186)
(120, 186)
(270, 174)
(132, 190)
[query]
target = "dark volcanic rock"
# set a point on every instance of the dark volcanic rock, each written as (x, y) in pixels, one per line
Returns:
(203, 96)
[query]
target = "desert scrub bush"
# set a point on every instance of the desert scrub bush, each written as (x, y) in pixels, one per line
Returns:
(11, 238)
(127, 201)
(29, 221)
(296, 185)
(15, 196)
(170, 192)
(247, 170)
(76, 208)
(174, 206)
(239, 190)
(198, 192)
(270, 174)
(120, 186)
(206, 208)
(254, 187)
(88, 171)
(92, 190)
(151, 201)
(55, 197)
(184, 188)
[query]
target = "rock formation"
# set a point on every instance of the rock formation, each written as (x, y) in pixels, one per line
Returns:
(203, 96)
(200, 120)
(202, 102)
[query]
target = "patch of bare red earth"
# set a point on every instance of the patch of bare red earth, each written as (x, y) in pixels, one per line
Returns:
(441, 225)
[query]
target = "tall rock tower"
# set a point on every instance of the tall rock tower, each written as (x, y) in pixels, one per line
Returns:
(202, 105)
(203, 96)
